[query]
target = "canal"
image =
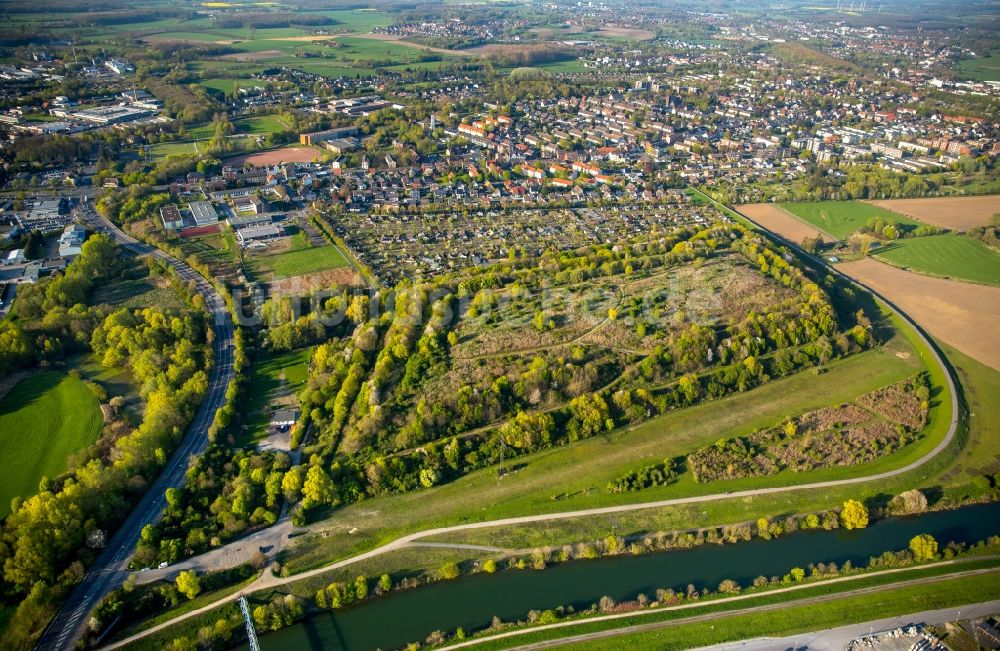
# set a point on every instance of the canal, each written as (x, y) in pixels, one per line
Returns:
(471, 602)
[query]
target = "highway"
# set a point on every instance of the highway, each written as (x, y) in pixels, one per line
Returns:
(111, 567)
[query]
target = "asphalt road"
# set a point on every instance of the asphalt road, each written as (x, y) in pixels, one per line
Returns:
(111, 567)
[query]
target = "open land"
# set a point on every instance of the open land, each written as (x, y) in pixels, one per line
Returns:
(775, 219)
(841, 218)
(955, 213)
(950, 256)
(43, 419)
(964, 315)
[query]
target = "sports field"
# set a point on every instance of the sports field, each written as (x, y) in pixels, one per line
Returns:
(841, 218)
(951, 256)
(297, 262)
(44, 419)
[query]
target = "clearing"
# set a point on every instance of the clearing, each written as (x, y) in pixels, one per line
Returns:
(276, 380)
(955, 213)
(950, 256)
(779, 221)
(841, 218)
(43, 420)
(961, 314)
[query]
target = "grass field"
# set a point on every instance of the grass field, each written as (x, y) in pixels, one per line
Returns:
(297, 262)
(982, 69)
(841, 218)
(951, 256)
(227, 85)
(276, 379)
(44, 419)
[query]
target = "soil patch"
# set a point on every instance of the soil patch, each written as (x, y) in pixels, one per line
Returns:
(956, 213)
(776, 220)
(299, 285)
(963, 315)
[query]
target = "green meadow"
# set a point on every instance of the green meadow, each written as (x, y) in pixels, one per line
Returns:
(952, 256)
(43, 420)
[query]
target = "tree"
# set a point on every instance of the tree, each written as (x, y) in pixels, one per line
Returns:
(188, 584)
(449, 571)
(911, 501)
(797, 574)
(318, 488)
(924, 547)
(854, 515)
(729, 586)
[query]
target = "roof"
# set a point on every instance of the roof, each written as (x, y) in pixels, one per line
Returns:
(285, 416)
(203, 212)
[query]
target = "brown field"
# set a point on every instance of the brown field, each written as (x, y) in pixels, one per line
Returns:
(275, 156)
(299, 285)
(964, 315)
(779, 221)
(253, 56)
(614, 31)
(956, 213)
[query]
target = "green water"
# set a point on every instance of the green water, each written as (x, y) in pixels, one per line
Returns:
(471, 602)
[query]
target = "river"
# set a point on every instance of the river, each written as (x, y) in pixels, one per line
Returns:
(472, 601)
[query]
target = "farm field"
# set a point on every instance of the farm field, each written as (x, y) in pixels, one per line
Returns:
(961, 314)
(951, 256)
(276, 380)
(297, 262)
(777, 220)
(841, 218)
(954, 213)
(43, 420)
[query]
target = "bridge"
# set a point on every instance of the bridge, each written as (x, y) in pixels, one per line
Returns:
(251, 633)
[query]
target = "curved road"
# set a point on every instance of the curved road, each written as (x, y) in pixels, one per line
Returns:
(268, 580)
(111, 567)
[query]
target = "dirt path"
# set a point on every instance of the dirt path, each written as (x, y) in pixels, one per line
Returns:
(965, 315)
(956, 213)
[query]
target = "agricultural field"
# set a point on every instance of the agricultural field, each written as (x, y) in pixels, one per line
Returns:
(276, 381)
(841, 218)
(950, 256)
(953, 213)
(958, 313)
(44, 419)
(779, 221)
